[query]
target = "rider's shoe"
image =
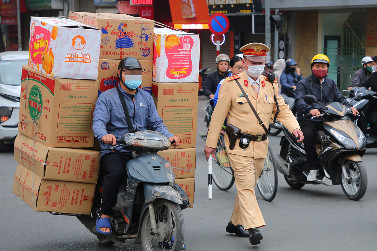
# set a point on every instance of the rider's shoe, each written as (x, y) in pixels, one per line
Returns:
(238, 230)
(255, 236)
(312, 176)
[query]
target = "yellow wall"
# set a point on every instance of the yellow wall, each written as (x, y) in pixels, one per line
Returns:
(371, 27)
(306, 39)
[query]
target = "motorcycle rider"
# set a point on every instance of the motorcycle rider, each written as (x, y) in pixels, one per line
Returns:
(288, 80)
(214, 78)
(371, 82)
(362, 74)
(109, 123)
(326, 91)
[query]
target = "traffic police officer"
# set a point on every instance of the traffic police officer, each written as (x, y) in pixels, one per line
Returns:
(247, 160)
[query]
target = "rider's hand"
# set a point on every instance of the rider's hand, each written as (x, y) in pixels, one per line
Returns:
(209, 151)
(211, 96)
(298, 71)
(315, 113)
(109, 139)
(354, 111)
(298, 134)
(294, 87)
(175, 141)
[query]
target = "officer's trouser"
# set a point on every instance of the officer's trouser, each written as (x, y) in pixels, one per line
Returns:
(246, 211)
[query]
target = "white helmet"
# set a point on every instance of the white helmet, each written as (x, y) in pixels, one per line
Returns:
(366, 60)
(222, 57)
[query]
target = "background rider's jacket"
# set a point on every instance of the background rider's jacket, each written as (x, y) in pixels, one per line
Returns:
(372, 81)
(325, 93)
(359, 78)
(109, 118)
(212, 80)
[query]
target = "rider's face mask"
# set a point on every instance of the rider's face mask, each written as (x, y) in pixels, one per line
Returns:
(320, 70)
(132, 81)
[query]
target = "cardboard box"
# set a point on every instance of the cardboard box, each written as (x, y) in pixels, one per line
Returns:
(52, 196)
(182, 160)
(108, 69)
(61, 108)
(188, 186)
(122, 35)
(177, 105)
(63, 164)
(176, 56)
(64, 48)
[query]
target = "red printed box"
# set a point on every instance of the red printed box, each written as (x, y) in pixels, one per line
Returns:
(182, 161)
(52, 196)
(63, 164)
(57, 112)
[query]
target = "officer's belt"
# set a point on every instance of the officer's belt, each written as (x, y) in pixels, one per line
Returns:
(257, 138)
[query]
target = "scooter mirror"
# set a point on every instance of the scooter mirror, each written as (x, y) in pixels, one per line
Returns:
(310, 99)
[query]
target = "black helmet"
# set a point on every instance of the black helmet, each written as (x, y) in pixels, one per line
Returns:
(129, 63)
(269, 64)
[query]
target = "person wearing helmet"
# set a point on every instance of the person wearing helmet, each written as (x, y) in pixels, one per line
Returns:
(214, 78)
(268, 68)
(288, 80)
(326, 91)
(109, 123)
(361, 75)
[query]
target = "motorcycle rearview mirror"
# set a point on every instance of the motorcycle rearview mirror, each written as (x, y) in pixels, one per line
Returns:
(310, 99)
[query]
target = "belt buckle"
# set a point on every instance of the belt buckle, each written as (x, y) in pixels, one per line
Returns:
(259, 138)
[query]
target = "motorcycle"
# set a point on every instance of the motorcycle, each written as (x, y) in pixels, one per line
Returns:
(360, 97)
(149, 205)
(340, 146)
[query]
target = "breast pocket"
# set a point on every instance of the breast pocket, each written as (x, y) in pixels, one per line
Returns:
(269, 104)
(242, 104)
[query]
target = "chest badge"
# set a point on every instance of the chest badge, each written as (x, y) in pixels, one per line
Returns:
(245, 82)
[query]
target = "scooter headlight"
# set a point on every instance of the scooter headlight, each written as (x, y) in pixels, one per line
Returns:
(343, 138)
(361, 137)
(169, 172)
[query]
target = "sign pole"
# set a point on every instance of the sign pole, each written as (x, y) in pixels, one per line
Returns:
(19, 26)
(217, 47)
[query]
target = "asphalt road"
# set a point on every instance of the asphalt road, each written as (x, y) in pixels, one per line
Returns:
(313, 218)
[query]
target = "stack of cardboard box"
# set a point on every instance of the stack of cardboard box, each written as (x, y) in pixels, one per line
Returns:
(58, 94)
(121, 36)
(175, 91)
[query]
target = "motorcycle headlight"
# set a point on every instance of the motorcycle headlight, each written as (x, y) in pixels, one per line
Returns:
(361, 137)
(343, 139)
(169, 173)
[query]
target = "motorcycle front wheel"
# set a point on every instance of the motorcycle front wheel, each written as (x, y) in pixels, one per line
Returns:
(354, 179)
(268, 180)
(169, 223)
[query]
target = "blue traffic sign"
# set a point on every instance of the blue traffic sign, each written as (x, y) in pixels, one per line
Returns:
(218, 24)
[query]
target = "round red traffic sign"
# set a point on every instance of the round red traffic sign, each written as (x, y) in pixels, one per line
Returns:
(218, 24)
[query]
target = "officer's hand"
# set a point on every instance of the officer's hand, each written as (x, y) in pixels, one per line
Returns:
(109, 139)
(354, 111)
(209, 151)
(211, 96)
(298, 134)
(174, 141)
(315, 112)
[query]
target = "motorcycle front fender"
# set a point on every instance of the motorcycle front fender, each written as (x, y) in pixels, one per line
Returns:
(355, 157)
(153, 192)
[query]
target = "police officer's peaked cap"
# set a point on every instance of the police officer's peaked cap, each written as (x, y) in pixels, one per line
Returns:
(255, 49)
(129, 63)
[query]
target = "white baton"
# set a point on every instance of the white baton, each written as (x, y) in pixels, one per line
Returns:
(210, 177)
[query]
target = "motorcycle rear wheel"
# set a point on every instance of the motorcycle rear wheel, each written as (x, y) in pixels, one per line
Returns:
(169, 222)
(354, 180)
(268, 180)
(222, 172)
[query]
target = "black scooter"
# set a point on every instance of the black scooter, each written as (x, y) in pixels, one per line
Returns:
(360, 98)
(149, 205)
(340, 146)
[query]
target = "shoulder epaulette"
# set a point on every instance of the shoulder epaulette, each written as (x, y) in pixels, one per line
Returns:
(233, 77)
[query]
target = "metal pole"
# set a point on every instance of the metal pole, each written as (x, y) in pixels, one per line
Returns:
(267, 26)
(19, 26)
(276, 49)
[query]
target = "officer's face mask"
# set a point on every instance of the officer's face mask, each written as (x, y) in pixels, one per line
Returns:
(132, 81)
(255, 71)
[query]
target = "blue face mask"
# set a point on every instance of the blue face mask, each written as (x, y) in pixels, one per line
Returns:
(132, 81)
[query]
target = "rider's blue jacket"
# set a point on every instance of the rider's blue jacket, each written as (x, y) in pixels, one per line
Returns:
(109, 118)
(325, 92)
